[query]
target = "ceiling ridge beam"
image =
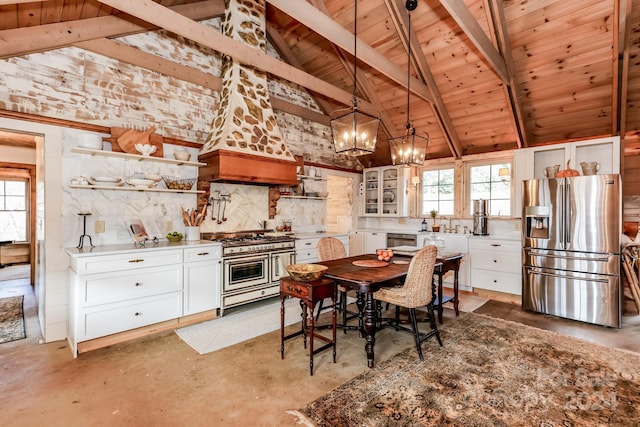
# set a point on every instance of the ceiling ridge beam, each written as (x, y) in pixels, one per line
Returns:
(466, 21)
(401, 23)
(323, 25)
(26, 40)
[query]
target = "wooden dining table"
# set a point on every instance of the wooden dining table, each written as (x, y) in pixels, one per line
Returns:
(367, 280)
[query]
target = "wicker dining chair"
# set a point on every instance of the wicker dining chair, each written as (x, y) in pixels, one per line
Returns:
(417, 291)
(330, 248)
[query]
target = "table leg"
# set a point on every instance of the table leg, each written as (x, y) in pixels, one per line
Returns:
(440, 305)
(282, 327)
(360, 305)
(455, 288)
(370, 327)
(335, 318)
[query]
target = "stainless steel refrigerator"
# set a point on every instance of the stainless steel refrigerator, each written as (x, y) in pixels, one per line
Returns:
(571, 248)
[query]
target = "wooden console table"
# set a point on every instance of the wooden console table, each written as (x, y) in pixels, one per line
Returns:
(309, 294)
(448, 262)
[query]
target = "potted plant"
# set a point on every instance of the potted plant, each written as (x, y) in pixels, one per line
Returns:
(433, 214)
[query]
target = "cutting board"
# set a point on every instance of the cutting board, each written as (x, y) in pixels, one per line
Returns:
(124, 140)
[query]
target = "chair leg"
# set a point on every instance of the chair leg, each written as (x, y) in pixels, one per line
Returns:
(416, 332)
(433, 323)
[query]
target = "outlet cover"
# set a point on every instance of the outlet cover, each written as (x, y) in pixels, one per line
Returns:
(99, 226)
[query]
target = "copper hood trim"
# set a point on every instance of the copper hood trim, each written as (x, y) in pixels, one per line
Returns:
(233, 166)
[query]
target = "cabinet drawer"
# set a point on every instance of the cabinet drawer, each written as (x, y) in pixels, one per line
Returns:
(488, 244)
(497, 261)
(203, 253)
(115, 318)
(501, 282)
(297, 290)
(129, 261)
(112, 287)
(307, 244)
(306, 256)
(249, 296)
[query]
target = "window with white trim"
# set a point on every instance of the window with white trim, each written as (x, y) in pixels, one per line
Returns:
(14, 209)
(486, 183)
(438, 191)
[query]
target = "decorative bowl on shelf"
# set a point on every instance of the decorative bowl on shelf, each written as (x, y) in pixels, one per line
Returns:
(174, 237)
(306, 272)
(137, 182)
(174, 183)
(181, 155)
(89, 140)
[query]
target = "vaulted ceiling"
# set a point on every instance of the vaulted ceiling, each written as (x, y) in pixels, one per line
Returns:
(486, 75)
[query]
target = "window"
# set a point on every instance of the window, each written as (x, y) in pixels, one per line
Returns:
(13, 209)
(437, 191)
(485, 183)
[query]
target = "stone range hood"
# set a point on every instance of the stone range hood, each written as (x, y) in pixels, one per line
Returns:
(245, 143)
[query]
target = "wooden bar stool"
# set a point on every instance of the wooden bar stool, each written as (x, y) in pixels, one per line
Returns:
(309, 294)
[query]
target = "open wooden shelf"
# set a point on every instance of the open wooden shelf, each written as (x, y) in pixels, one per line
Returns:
(140, 158)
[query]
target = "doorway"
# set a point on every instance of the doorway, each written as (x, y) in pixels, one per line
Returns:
(339, 203)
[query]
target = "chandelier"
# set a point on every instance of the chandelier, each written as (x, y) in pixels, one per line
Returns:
(355, 132)
(409, 149)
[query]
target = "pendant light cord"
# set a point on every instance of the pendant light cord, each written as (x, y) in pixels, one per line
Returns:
(355, 52)
(409, 72)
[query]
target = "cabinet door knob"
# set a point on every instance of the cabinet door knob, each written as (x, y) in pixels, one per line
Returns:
(495, 260)
(138, 284)
(137, 313)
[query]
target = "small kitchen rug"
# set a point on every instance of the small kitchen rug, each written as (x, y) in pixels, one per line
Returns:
(239, 326)
(12, 319)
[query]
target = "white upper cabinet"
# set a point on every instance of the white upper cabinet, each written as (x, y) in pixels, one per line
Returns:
(531, 163)
(385, 192)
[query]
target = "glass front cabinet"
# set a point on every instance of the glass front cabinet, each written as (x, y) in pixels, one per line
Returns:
(385, 192)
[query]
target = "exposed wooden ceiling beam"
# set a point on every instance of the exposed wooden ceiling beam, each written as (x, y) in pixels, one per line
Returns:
(363, 84)
(317, 21)
(621, 67)
(152, 62)
(213, 39)
(7, 2)
(459, 12)
(283, 49)
(398, 13)
(297, 110)
(25, 40)
(513, 93)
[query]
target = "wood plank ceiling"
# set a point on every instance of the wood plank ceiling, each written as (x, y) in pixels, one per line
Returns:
(487, 75)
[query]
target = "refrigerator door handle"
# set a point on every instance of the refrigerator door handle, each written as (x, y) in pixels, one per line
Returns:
(562, 216)
(567, 213)
(565, 276)
(573, 257)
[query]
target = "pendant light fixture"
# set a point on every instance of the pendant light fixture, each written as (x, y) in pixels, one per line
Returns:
(409, 149)
(355, 132)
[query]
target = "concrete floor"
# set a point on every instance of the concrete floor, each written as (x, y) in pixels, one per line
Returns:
(161, 381)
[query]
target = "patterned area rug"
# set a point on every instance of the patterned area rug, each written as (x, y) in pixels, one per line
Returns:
(490, 373)
(11, 319)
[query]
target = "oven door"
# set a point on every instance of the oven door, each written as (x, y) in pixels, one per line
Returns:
(245, 271)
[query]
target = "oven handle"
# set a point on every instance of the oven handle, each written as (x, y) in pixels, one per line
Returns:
(244, 259)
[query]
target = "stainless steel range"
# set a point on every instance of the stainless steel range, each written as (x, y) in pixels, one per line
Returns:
(253, 262)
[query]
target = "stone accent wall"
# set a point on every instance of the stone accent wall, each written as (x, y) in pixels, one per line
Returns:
(245, 121)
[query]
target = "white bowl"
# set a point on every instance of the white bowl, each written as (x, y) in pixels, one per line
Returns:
(140, 182)
(182, 155)
(89, 140)
(146, 149)
(105, 178)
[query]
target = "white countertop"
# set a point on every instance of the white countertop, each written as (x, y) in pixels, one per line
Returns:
(317, 235)
(87, 250)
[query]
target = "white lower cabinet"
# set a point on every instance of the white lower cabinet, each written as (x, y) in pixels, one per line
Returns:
(202, 277)
(496, 265)
(306, 248)
(112, 292)
(374, 240)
